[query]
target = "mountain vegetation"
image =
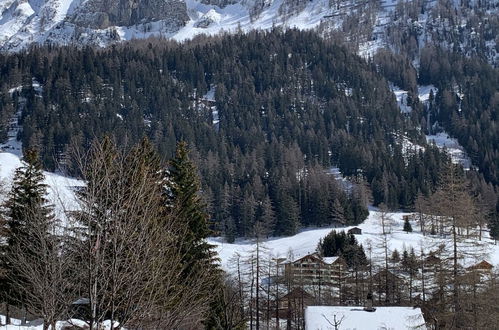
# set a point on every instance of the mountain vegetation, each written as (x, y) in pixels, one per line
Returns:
(266, 114)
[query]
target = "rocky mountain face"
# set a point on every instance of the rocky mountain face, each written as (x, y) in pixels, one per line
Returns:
(101, 14)
(467, 26)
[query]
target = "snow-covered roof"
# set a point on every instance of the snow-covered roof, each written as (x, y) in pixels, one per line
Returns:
(329, 260)
(350, 318)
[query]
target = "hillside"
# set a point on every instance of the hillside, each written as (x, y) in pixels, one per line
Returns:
(306, 241)
(263, 136)
(402, 26)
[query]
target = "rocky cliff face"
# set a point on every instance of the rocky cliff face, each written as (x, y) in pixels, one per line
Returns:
(101, 14)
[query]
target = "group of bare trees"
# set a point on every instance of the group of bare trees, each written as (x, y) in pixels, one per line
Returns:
(439, 276)
(121, 256)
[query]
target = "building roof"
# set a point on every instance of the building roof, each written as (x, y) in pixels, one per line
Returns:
(400, 318)
(316, 257)
(298, 293)
(312, 255)
(330, 260)
(482, 265)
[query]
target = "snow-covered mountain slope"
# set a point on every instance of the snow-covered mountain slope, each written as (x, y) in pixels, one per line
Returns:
(471, 26)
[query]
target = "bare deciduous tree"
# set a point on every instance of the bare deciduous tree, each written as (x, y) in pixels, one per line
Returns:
(132, 270)
(40, 271)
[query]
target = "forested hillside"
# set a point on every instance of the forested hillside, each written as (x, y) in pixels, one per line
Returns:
(467, 104)
(267, 114)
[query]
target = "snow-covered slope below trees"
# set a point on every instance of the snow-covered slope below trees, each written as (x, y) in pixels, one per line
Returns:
(60, 188)
(306, 241)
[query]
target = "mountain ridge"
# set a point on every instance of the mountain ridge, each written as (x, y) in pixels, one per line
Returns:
(470, 27)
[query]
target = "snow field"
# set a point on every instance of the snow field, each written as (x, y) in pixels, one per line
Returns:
(305, 242)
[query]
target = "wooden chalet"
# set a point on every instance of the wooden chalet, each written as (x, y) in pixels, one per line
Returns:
(314, 270)
(482, 266)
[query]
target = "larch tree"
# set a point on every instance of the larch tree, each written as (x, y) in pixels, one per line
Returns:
(455, 210)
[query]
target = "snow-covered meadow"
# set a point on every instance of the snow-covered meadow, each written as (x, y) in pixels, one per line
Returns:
(38, 324)
(305, 242)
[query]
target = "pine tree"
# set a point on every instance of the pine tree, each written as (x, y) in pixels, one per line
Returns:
(26, 207)
(28, 195)
(188, 207)
(407, 225)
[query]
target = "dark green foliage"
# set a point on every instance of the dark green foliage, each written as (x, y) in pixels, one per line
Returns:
(466, 104)
(187, 206)
(407, 225)
(409, 261)
(395, 258)
(26, 203)
(494, 223)
(345, 245)
(25, 208)
(290, 105)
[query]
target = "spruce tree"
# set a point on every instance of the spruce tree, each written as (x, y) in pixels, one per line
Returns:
(188, 207)
(407, 225)
(338, 213)
(27, 197)
(26, 207)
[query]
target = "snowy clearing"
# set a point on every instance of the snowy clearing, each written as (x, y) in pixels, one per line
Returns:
(452, 146)
(305, 242)
(401, 96)
(38, 324)
(399, 318)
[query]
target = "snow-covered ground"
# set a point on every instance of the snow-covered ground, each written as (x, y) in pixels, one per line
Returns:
(424, 92)
(305, 242)
(209, 19)
(38, 324)
(397, 318)
(344, 182)
(452, 146)
(401, 96)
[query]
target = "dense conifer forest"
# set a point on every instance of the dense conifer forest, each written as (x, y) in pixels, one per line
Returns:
(266, 114)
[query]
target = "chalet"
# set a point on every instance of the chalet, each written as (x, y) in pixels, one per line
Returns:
(432, 260)
(355, 231)
(432, 263)
(482, 266)
(312, 269)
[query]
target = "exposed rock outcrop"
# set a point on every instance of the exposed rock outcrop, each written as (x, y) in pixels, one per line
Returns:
(100, 14)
